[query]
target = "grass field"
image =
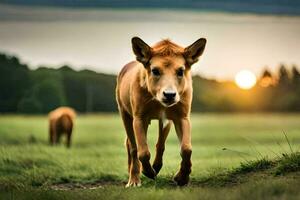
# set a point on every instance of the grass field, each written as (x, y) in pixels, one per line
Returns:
(96, 165)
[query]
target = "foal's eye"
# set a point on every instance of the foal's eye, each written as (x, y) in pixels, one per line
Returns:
(180, 72)
(155, 72)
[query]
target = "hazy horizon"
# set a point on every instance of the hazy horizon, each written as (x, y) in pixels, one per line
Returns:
(99, 39)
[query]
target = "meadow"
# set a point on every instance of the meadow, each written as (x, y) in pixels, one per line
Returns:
(95, 167)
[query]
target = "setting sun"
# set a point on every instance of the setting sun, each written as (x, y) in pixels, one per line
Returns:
(245, 79)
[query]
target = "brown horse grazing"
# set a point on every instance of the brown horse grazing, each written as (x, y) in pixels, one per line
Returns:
(157, 86)
(61, 121)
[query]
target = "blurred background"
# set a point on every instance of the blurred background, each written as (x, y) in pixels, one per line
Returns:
(68, 53)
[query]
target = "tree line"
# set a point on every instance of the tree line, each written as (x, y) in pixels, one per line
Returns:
(273, 92)
(39, 91)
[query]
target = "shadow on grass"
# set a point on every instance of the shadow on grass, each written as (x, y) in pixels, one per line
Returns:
(67, 183)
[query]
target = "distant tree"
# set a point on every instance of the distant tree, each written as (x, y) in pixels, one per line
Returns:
(295, 76)
(285, 98)
(266, 73)
(266, 79)
(75, 88)
(50, 95)
(295, 101)
(14, 82)
(283, 76)
(88, 91)
(29, 105)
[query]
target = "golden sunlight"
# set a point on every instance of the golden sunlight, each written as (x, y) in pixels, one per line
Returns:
(245, 79)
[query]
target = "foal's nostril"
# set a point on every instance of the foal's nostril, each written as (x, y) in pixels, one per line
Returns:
(169, 95)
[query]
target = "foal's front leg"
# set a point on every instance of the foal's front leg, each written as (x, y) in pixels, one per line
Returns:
(183, 130)
(140, 127)
(164, 128)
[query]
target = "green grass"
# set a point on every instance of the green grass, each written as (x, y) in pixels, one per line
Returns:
(96, 164)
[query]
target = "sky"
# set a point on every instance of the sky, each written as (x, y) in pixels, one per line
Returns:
(99, 38)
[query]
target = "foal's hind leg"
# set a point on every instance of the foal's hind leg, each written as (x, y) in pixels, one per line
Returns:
(51, 133)
(127, 144)
(133, 161)
(69, 136)
(164, 129)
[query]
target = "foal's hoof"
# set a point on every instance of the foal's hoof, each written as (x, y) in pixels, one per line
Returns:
(157, 167)
(150, 173)
(133, 183)
(181, 179)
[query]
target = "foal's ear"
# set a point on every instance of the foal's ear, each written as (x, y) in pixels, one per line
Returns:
(194, 51)
(141, 50)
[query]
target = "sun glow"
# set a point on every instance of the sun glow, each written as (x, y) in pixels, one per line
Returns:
(245, 79)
